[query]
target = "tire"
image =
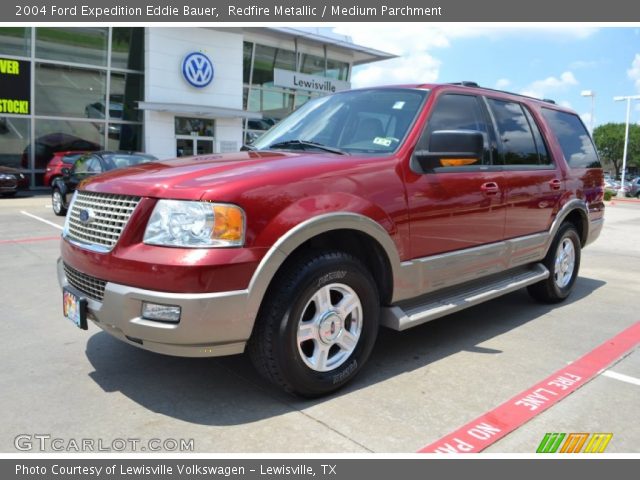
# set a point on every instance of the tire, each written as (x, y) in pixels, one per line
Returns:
(318, 325)
(9, 194)
(563, 263)
(57, 203)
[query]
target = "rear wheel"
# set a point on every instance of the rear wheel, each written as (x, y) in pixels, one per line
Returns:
(57, 202)
(563, 263)
(319, 326)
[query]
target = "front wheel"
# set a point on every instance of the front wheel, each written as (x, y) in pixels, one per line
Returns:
(57, 202)
(319, 326)
(563, 263)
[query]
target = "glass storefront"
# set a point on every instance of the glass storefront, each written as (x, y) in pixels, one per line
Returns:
(261, 95)
(84, 90)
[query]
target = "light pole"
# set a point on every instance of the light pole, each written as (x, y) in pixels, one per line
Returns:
(592, 94)
(628, 98)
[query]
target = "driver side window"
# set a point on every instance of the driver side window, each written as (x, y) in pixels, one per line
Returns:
(458, 112)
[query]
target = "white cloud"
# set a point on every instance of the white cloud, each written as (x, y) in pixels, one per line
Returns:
(565, 103)
(503, 83)
(586, 119)
(417, 44)
(419, 68)
(543, 88)
(634, 71)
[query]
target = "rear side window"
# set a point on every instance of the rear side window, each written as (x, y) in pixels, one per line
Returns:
(576, 145)
(519, 145)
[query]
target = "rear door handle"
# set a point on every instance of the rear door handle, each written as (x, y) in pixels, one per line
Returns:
(555, 184)
(490, 188)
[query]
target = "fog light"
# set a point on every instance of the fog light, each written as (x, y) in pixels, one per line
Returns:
(160, 313)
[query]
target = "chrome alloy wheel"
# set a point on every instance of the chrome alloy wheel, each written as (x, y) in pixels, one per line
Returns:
(565, 262)
(330, 327)
(56, 200)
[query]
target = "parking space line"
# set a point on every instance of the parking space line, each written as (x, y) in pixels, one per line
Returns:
(43, 220)
(488, 428)
(621, 377)
(29, 240)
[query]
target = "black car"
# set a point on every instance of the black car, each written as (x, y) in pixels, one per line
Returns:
(90, 164)
(12, 180)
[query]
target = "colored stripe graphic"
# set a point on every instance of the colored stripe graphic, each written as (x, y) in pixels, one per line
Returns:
(598, 442)
(485, 430)
(574, 442)
(550, 443)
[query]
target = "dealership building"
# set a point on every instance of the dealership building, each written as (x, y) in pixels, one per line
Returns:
(166, 91)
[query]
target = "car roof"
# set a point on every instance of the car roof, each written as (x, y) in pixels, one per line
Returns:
(474, 88)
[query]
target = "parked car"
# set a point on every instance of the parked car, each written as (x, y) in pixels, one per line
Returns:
(88, 165)
(384, 206)
(59, 161)
(11, 181)
(634, 188)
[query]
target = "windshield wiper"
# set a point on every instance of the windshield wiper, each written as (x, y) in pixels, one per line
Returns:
(306, 143)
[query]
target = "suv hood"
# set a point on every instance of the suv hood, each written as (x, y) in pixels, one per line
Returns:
(193, 178)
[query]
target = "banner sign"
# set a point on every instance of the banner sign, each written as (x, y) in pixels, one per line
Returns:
(15, 86)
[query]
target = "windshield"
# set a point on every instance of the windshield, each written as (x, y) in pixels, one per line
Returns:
(358, 121)
(117, 160)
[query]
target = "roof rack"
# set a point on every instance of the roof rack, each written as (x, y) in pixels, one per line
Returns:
(466, 83)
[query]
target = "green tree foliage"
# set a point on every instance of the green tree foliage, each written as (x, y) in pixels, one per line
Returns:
(609, 139)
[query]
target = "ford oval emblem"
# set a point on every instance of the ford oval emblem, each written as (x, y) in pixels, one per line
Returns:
(86, 215)
(197, 69)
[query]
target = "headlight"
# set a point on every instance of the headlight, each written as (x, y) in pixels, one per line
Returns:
(178, 223)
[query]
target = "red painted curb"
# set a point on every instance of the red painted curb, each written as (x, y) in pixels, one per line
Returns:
(485, 430)
(30, 240)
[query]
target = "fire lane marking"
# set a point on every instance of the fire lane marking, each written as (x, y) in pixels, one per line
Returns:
(491, 426)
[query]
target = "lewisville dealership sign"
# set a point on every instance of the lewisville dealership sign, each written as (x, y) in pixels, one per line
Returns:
(15, 86)
(301, 81)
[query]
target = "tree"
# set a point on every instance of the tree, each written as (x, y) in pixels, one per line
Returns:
(609, 139)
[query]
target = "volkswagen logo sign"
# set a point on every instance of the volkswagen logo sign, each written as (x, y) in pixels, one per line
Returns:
(197, 69)
(86, 215)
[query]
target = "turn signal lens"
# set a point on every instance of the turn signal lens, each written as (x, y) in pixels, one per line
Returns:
(228, 223)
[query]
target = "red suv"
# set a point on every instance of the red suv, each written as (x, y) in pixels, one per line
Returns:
(385, 206)
(59, 161)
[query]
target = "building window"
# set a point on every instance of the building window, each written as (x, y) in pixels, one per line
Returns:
(61, 135)
(15, 41)
(14, 138)
(64, 91)
(127, 48)
(86, 45)
(85, 93)
(126, 90)
(274, 102)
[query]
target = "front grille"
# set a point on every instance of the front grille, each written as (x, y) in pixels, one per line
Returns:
(92, 287)
(108, 215)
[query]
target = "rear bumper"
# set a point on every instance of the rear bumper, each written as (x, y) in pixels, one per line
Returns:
(595, 228)
(211, 324)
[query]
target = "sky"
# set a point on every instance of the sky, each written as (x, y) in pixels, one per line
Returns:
(556, 62)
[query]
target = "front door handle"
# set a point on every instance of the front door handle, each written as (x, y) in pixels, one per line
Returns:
(555, 184)
(490, 188)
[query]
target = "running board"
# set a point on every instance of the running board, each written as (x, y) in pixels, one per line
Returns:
(438, 304)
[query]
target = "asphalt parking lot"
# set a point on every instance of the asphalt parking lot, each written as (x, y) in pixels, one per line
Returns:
(419, 385)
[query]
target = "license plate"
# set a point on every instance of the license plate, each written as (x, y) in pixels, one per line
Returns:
(74, 308)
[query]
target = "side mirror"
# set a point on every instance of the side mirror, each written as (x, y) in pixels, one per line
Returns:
(66, 172)
(451, 148)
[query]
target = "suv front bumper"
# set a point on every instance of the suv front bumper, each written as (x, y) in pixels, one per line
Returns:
(211, 324)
